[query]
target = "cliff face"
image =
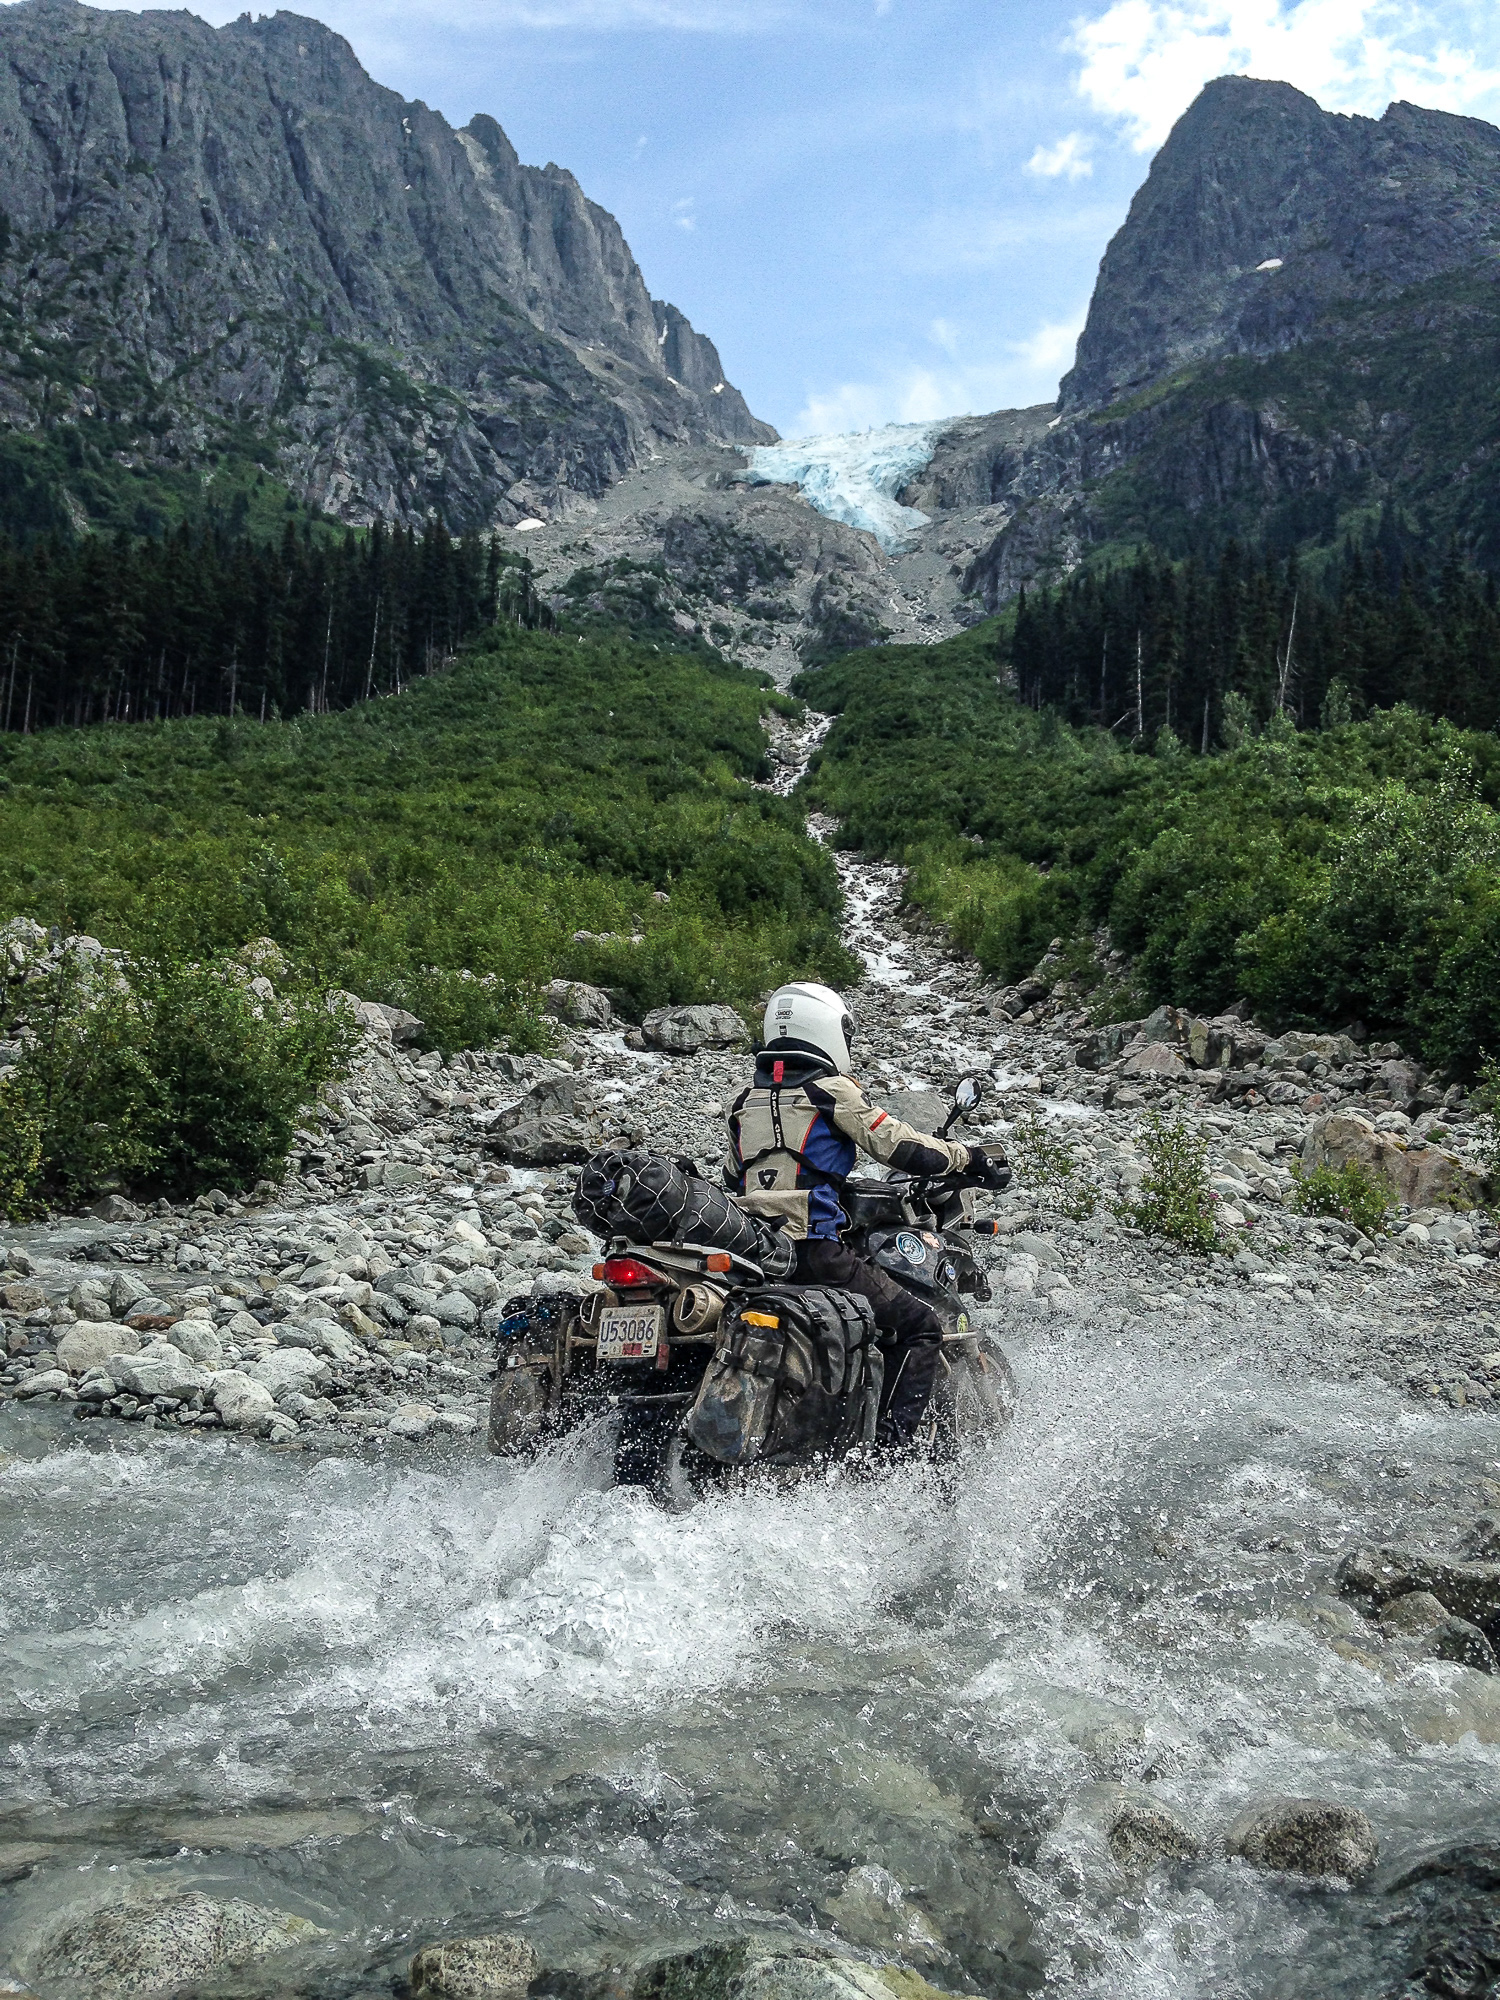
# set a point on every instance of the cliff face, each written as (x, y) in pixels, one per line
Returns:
(1263, 213)
(222, 237)
(1298, 323)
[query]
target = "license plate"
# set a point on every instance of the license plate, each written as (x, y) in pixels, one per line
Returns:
(630, 1333)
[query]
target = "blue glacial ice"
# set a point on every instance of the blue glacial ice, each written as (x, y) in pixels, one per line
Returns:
(855, 477)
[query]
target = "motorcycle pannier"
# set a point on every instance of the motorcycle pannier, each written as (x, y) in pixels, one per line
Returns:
(651, 1200)
(796, 1374)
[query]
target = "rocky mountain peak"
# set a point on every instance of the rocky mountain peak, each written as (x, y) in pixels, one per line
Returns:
(217, 231)
(1261, 212)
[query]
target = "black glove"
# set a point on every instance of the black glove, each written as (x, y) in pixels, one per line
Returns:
(988, 1170)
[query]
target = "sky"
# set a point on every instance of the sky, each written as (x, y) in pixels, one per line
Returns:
(887, 210)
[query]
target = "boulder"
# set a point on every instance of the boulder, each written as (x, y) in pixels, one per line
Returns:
(579, 1005)
(1304, 1837)
(682, 1031)
(42, 1382)
(924, 1109)
(157, 1943)
(286, 1368)
(115, 1208)
(1423, 1177)
(404, 1027)
(21, 1295)
(321, 1336)
(1138, 1830)
(1155, 1059)
(125, 1292)
(242, 1404)
(88, 1343)
(158, 1370)
(456, 1309)
(554, 1123)
(198, 1341)
(477, 1968)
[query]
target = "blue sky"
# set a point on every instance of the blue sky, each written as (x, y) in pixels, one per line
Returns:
(887, 210)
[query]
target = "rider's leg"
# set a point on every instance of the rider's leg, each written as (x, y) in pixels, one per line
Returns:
(911, 1329)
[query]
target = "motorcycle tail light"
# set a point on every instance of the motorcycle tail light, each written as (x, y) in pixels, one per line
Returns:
(986, 1229)
(720, 1260)
(628, 1273)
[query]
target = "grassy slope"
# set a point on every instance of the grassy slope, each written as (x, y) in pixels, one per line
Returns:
(1327, 874)
(547, 785)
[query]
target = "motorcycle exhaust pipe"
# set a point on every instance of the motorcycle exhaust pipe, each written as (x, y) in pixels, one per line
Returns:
(697, 1309)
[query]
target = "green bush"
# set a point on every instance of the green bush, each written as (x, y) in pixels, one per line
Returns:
(177, 1079)
(1349, 1194)
(1175, 1201)
(1045, 1163)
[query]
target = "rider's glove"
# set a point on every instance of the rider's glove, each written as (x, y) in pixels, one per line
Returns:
(988, 1171)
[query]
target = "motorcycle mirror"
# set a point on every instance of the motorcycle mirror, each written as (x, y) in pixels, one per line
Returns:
(969, 1095)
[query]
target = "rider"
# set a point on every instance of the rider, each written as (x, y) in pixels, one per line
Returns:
(793, 1136)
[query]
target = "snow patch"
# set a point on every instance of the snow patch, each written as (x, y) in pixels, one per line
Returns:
(855, 477)
(1271, 264)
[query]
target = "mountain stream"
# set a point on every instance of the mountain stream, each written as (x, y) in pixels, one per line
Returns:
(404, 1700)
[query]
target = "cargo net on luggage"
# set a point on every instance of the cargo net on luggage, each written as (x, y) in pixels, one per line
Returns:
(647, 1200)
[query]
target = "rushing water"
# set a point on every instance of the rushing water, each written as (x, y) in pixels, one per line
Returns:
(400, 1700)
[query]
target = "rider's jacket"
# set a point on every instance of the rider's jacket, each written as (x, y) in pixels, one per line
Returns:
(794, 1134)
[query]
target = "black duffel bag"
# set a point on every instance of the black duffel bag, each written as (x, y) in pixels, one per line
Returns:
(796, 1376)
(647, 1199)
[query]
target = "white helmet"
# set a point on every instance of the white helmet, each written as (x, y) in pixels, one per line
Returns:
(811, 1018)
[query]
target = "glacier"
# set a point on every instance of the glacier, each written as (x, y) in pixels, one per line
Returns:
(855, 477)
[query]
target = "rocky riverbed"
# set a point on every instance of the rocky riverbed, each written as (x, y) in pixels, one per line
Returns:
(1189, 1692)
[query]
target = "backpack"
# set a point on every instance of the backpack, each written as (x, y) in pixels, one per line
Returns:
(796, 1375)
(650, 1200)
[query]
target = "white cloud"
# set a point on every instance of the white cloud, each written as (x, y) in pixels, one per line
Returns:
(1067, 160)
(1018, 374)
(1144, 61)
(684, 214)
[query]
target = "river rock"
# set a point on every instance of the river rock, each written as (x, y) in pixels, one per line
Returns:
(198, 1341)
(476, 1968)
(682, 1031)
(286, 1368)
(579, 1005)
(1427, 1177)
(20, 1295)
(243, 1405)
(43, 1382)
(152, 1944)
(1304, 1837)
(1135, 1827)
(88, 1343)
(1156, 1059)
(554, 1123)
(753, 1969)
(125, 1292)
(158, 1370)
(321, 1336)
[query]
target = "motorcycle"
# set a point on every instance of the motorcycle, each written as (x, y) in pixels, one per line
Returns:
(639, 1347)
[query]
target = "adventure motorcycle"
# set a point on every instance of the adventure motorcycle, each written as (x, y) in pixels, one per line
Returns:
(714, 1362)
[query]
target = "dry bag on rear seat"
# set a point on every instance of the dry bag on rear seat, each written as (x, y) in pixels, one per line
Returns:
(650, 1200)
(796, 1375)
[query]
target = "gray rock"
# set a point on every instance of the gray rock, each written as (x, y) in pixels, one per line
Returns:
(924, 1109)
(158, 1370)
(456, 1309)
(89, 1344)
(1414, 1611)
(42, 1382)
(115, 1208)
(198, 1341)
(287, 1368)
(320, 1336)
(126, 1291)
(1304, 1837)
(475, 1968)
(581, 1006)
(243, 1405)
(683, 1031)
(554, 1123)
(154, 1943)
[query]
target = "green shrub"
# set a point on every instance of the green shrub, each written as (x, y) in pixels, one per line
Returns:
(1043, 1161)
(1174, 1202)
(1487, 1102)
(1349, 1194)
(178, 1079)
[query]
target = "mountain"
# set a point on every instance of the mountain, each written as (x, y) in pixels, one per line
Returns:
(230, 246)
(1295, 332)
